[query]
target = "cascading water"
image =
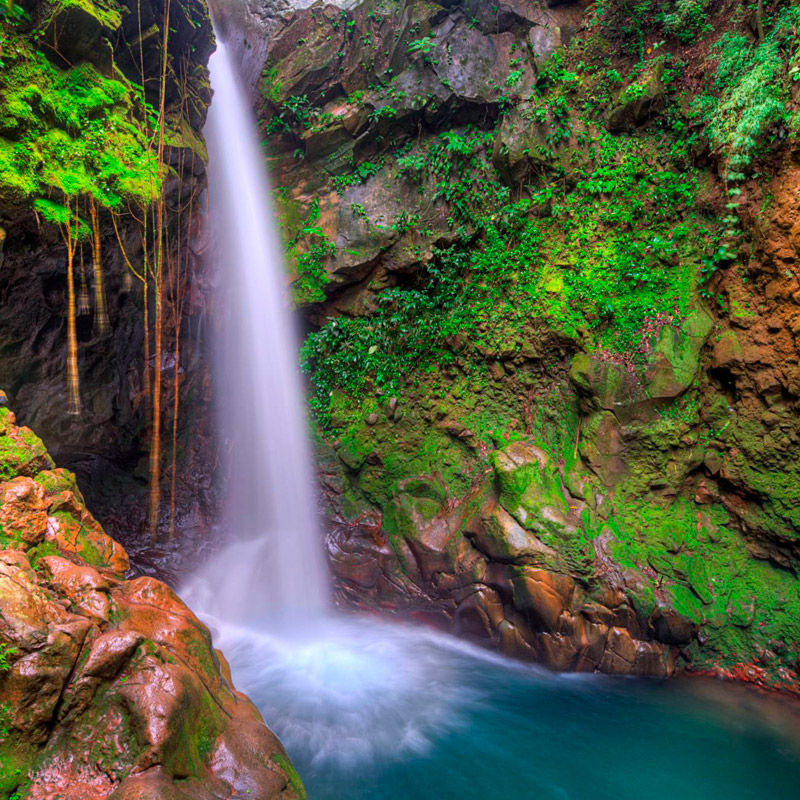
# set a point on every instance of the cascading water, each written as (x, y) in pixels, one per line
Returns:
(349, 690)
(273, 565)
(386, 712)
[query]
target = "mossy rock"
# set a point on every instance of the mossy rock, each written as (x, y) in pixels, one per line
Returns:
(504, 540)
(639, 101)
(530, 486)
(675, 361)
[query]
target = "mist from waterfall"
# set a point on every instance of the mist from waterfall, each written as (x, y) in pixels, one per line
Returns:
(272, 567)
(370, 709)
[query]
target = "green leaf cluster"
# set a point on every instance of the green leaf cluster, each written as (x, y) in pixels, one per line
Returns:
(71, 132)
(750, 91)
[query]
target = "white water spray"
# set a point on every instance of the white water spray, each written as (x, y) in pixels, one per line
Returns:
(343, 691)
(273, 567)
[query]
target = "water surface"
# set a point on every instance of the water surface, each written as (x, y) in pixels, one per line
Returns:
(372, 711)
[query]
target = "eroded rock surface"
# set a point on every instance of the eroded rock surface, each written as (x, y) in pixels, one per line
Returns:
(109, 688)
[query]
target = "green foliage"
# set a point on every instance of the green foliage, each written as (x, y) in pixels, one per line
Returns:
(311, 249)
(407, 327)
(7, 652)
(424, 45)
(750, 92)
(687, 20)
(294, 111)
(626, 22)
(71, 132)
(361, 173)
(620, 248)
(457, 164)
(384, 112)
(61, 215)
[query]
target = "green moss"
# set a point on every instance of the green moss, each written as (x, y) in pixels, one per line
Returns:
(80, 539)
(74, 131)
(107, 12)
(41, 551)
(22, 454)
(295, 783)
(711, 578)
(15, 761)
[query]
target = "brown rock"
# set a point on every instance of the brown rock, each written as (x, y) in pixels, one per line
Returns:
(671, 628)
(95, 697)
(156, 785)
(239, 760)
(86, 589)
(542, 597)
(23, 512)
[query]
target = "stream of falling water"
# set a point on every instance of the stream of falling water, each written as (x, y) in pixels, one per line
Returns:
(273, 565)
(349, 690)
(378, 711)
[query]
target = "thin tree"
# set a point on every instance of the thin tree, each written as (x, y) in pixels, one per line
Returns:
(84, 306)
(178, 300)
(71, 228)
(73, 379)
(101, 324)
(142, 277)
(157, 272)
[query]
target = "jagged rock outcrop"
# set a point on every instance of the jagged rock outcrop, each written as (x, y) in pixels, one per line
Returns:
(515, 230)
(109, 688)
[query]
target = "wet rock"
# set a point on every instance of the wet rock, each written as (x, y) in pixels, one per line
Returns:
(84, 587)
(542, 597)
(112, 686)
(530, 487)
(23, 512)
(502, 539)
(671, 628)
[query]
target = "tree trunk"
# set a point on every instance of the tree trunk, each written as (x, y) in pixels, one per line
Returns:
(158, 274)
(101, 324)
(73, 380)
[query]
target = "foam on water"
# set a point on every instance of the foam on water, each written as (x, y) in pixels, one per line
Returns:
(353, 692)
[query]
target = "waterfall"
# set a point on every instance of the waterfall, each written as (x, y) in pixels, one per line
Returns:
(272, 567)
(337, 688)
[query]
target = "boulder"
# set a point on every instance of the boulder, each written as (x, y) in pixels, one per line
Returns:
(530, 487)
(111, 687)
(503, 539)
(639, 101)
(23, 512)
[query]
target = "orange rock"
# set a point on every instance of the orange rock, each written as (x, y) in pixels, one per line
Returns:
(130, 705)
(83, 586)
(23, 512)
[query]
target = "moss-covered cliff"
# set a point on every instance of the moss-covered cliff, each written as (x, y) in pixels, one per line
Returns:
(549, 256)
(81, 91)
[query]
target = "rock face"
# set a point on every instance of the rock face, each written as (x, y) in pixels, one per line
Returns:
(556, 414)
(508, 566)
(110, 687)
(107, 444)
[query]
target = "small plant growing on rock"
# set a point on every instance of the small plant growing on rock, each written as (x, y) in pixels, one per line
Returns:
(424, 45)
(7, 651)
